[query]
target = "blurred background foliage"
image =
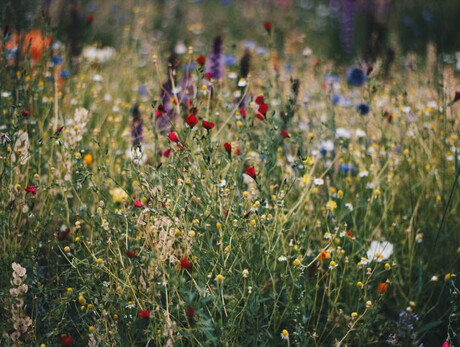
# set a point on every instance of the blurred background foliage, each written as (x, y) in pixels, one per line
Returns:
(341, 30)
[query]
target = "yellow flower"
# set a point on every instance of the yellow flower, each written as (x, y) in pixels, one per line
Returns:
(285, 334)
(354, 315)
(219, 278)
(91, 328)
(387, 266)
(331, 205)
(332, 265)
(360, 284)
(118, 195)
(447, 276)
(296, 262)
(81, 299)
(218, 225)
(69, 290)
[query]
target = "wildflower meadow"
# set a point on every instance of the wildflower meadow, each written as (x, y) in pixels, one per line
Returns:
(208, 173)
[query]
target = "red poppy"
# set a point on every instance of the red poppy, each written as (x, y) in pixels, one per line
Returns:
(167, 153)
(31, 189)
(194, 110)
(89, 19)
(160, 111)
(268, 26)
(260, 116)
(173, 137)
(63, 234)
(457, 96)
(285, 133)
(237, 151)
(185, 264)
(26, 113)
(263, 109)
(131, 254)
(201, 60)
(382, 288)
(243, 112)
(350, 233)
(228, 147)
(207, 76)
(137, 203)
(260, 100)
(251, 172)
(66, 340)
(190, 313)
(388, 116)
(144, 314)
(191, 120)
(207, 125)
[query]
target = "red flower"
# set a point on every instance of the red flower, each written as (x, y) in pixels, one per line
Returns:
(251, 172)
(26, 113)
(208, 125)
(237, 151)
(228, 147)
(190, 313)
(201, 60)
(185, 264)
(285, 133)
(350, 233)
(263, 109)
(268, 26)
(59, 129)
(131, 254)
(160, 111)
(457, 96)
(66, 340)
(89, 19)
(382, 288)
(31, 189)
(243, 112)
(194, 110)
(260, 116)
(137, 203)
(191, 120)
(260, 100)
(207, 76)
(173, 137)
(144, 314)
(167, 153)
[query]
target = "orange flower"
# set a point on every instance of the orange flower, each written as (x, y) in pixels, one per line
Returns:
(325, 255)
(382, 288)
(33, 43)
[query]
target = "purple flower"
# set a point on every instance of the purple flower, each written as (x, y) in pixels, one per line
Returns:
(136, 126)
(215, 61)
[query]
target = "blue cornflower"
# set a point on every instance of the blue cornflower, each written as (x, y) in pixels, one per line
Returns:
(356, 77)
(65, 73)
(347, 168)
(56, 59)
(363, 109)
